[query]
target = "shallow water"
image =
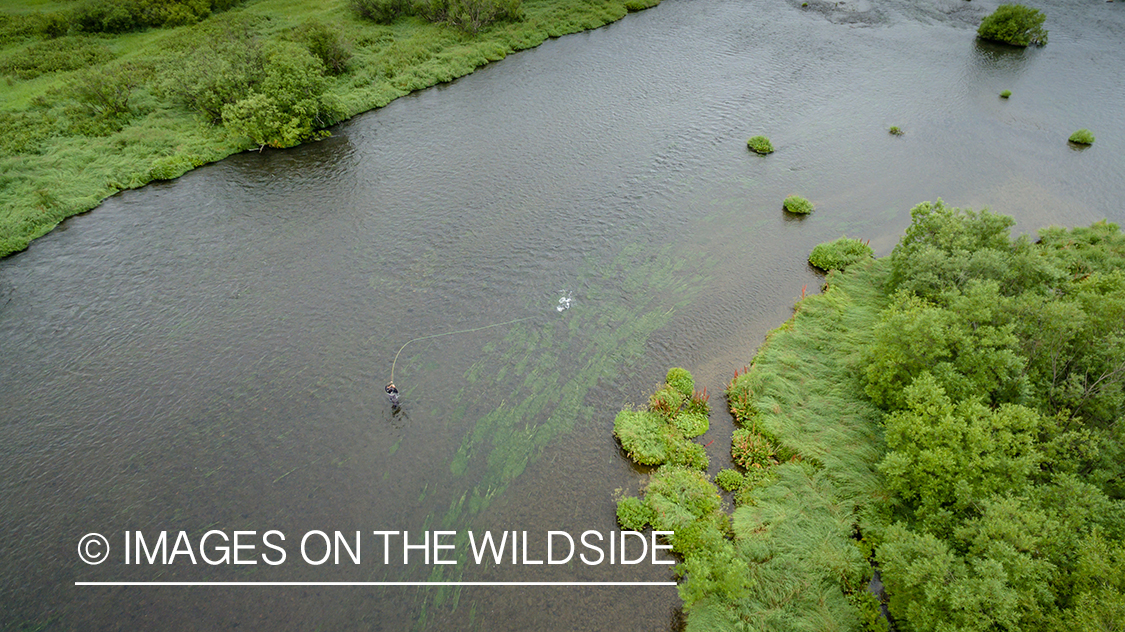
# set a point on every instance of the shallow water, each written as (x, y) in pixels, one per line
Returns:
(210, 353)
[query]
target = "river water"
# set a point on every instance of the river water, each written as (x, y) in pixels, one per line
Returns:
(209, 354)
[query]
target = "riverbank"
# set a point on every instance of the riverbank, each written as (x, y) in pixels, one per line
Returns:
(952, 413)
(85, 116)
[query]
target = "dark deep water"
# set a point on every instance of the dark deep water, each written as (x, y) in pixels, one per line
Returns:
(210, 353)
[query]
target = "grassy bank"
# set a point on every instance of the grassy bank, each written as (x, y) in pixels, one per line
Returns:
(953, 413)
(85, 114)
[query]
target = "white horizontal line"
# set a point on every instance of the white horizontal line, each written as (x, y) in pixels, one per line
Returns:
(374, 583)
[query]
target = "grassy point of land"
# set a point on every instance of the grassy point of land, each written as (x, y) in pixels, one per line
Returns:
(85, 115)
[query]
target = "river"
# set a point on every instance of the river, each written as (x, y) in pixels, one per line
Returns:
(209, 353)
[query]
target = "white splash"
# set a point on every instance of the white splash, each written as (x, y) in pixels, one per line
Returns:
(564, 301)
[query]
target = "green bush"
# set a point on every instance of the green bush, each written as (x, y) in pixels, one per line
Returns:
(1014, 24)
(640, 5)
(327, 45)
(633, 514)
(730, 480)
(799, 205)
(839, 254)
(687, 454)
(666, 401)
(383, 11)
(681, 380)
(895, 130)
(471, 15)
(1005, 94)
(760, 145)
(1082, 137)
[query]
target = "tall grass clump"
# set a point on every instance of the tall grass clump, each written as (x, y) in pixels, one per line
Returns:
(760, 145)
(839, 254)
(661, 434)
(798, 205)
(1082, 137)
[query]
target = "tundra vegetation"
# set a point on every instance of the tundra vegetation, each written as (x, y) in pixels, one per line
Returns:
(797, 204)
(952, 412)
(1082, 137)
(105, 95)
(839, 254)
(1014, 24)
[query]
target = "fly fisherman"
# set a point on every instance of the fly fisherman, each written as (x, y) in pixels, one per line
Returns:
(392, 394)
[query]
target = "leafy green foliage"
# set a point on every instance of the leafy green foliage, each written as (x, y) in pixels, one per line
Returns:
(680, 380)
(691, 424)
(383, 11)
(1014, 24)
(760, 145)
(326, 44)
(64, 53)
(750, 449)
(1005, 94)
(895, 130)
(730, 480)
(797, 204)
(839, 254)
(642, 435)
(288, 105)
(1082, 137)
(633, 514)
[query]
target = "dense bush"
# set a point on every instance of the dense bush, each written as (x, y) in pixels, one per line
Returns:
(288, 105)
(1082, 137)
(839, 254)
(119, 16)
(661, 434)
(326, 44)
(383, 11)
(797, 204)
(64, 53)
(760, 145)
(213, 71)
(471, 15)
(1014, 24)
(729, 480)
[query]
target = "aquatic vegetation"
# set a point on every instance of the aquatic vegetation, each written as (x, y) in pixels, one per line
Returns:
(797, 204)
(1005, 94)
(760, 145)
(895, 130)
(839, 254)
(640, 5)
(681, 380)
(1082, 137)
(1014, 24)
(661, 434)
(730, 480)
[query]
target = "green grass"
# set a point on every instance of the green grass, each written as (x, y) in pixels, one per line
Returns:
(1082, 137)
(760, 145)
(895, 130)
(839, 254)
(56, 160)
(1005, 94)
(797, 204)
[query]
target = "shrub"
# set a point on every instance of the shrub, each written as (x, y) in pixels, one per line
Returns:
(1014, 24)
(289, 104)
(839, 254)
(383, 11)
(760, 145)
(1005, 94)
(798, 204)
(681, 380)
(1082, 137)
(64, 53)
(327, 45)
(471, 15)
(730, 480)
(687, 454)
(895, 130)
